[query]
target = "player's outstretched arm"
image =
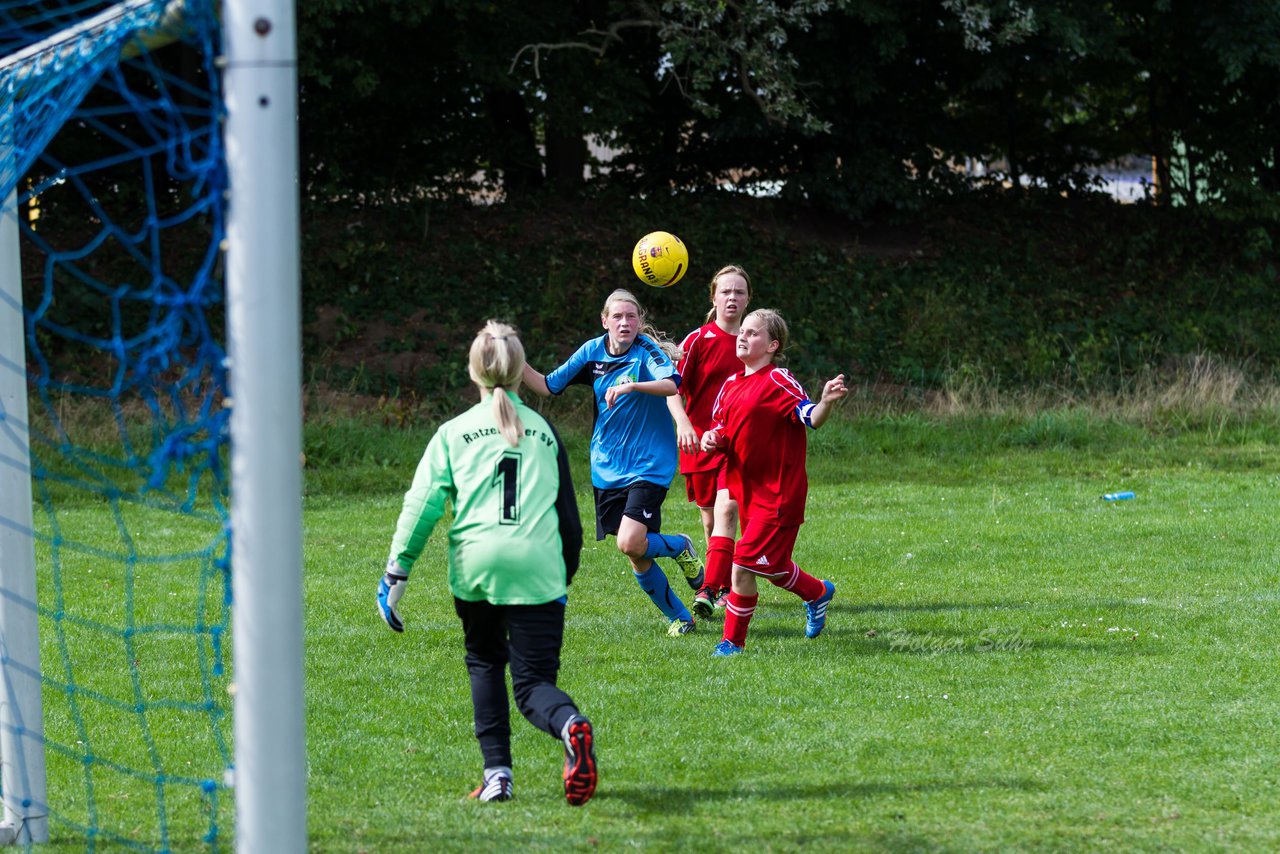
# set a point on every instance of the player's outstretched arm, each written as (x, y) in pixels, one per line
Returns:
(686, 433)
(535, 380)
(834, 390)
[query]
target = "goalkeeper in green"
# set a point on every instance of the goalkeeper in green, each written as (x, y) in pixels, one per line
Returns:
(514, 547)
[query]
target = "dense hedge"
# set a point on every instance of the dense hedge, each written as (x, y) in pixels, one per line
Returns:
(1024, 290)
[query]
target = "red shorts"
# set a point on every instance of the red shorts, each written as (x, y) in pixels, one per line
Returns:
(766, 548)
(701, 486)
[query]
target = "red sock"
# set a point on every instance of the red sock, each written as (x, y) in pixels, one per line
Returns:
(800, 583)
(719, 562)
(737, 616)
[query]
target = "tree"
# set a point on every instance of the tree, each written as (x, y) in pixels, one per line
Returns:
(850, 105)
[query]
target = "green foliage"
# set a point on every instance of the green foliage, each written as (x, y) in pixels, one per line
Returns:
(339, 447)
(718, 42)
(852, 106)
(1077, 294)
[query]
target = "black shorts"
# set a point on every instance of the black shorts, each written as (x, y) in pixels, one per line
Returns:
(641, 501)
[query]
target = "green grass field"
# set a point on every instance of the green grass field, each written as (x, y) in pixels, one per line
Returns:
(1010, 663)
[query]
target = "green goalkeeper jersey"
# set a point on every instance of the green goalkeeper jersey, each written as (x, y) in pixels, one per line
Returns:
(516, 536)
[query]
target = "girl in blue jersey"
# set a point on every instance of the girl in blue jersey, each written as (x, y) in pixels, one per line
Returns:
(633, 446)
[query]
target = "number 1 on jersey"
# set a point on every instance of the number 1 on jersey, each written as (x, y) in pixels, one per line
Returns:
(507, 476)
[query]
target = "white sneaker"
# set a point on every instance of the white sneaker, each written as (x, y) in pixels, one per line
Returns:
(497, 785)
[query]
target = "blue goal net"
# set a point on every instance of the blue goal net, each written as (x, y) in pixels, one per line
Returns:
(112, 168)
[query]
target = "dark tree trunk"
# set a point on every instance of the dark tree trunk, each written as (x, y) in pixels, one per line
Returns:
(566, 142)
(1012, 153)
(515, 151)
(1160, 145)
(1190, 193)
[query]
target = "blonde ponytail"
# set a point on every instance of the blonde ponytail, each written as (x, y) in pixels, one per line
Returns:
(497, 363)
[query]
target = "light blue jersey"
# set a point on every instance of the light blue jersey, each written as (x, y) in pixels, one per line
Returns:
(636, 439)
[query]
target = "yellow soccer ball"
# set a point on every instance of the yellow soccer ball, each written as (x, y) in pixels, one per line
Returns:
(660, 259)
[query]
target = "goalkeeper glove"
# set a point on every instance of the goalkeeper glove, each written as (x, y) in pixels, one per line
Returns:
(390, 589)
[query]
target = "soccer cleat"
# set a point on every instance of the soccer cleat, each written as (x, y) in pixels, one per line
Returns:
(579, 760)
(495, 787)
(690, 564)
(722, 597)
(816, 611)
(704, 603)
(680, 627)
(725, 648)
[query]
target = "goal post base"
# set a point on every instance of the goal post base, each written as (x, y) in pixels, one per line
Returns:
(33, 829)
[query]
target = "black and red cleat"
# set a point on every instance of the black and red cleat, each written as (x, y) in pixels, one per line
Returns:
(579, 761)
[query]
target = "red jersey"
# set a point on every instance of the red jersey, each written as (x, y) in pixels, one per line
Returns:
(763, 419)
(710, 357)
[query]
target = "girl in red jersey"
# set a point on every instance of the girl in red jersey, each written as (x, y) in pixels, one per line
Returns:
(761, 418)
(709, 356)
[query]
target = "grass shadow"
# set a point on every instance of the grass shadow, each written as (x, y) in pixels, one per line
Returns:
(673, 799)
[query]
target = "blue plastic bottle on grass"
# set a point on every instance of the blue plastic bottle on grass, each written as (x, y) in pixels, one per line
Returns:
(1117, 496)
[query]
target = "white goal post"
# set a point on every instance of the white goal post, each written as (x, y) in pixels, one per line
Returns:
(22, 771)
(265, 348)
